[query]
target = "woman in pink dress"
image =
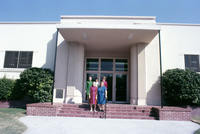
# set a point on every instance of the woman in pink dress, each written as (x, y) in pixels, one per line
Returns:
(105, 82)
(93, 96)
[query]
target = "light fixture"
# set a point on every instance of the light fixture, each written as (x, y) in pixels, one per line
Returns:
(130, 36)
(85, 36)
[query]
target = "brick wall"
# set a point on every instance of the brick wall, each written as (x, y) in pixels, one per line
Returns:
(175, 113)
(41, 109)
(165, 113)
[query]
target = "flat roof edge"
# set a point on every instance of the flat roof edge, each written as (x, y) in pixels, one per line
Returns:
(178, 24)
(107, 17)
(109, 28)
(30, 22)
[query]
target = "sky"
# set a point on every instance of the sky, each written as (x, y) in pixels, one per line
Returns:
(166, 11)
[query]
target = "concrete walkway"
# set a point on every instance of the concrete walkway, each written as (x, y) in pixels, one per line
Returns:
(66, 125)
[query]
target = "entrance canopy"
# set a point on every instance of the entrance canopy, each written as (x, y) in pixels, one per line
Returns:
(108, 33)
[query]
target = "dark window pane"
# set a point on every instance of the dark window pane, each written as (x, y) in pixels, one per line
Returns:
(121, 86)
(59, 93)
(192, 62)
(106, 65)
(25, 59)
(11, 58)
(92, 64)
(121, 65)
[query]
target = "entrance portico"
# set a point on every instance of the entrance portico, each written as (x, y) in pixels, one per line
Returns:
(134, 39)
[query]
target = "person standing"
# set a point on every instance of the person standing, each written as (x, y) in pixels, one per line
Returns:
(105, 82)
(97, 83)
(88, 85)
(102, 96)
(93, 97)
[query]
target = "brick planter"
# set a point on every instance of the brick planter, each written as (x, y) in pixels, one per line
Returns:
(175, 113)
(42, 109)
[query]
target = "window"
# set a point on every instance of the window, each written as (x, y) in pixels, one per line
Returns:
(106, 64)
(192, 62)
(18, 59)
(92, 64)
(121, 65)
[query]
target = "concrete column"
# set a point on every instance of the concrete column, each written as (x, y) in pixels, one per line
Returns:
(75, 73)
(133, 75)
(137, 75)
(141, 74)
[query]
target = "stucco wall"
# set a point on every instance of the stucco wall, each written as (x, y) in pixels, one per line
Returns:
(152, 57)
(61, 68)
(39, 38)
(177, 41)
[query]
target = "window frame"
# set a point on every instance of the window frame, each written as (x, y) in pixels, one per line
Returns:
(17, 66)
(190, 65)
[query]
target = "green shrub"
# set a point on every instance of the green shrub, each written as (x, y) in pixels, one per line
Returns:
(6, 88)
(181, 87)
(36, 83)
(18, 93)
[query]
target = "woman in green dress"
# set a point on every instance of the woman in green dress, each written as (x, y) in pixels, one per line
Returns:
(88, 85)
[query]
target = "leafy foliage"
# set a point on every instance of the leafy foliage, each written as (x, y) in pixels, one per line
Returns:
(181, 87)
(6, 88)
(36, 83)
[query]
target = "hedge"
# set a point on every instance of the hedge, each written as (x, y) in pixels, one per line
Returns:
(34, 84)
(181, 87)
(6, 88)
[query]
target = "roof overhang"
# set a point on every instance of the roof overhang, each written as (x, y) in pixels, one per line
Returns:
(108, 33)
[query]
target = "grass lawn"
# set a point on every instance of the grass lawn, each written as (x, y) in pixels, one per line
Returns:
(9, 123)
(197, 120)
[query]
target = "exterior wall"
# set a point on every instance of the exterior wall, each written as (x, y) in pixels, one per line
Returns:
(177, 40)
(145, 73)
(39, 38)
(152, 60)
(69, 71)
(61, 68)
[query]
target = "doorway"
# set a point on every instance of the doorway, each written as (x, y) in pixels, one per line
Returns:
(116, 72)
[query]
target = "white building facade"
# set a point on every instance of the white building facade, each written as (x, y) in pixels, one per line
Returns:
(132, 52)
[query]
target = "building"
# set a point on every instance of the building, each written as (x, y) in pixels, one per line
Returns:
(130, 51)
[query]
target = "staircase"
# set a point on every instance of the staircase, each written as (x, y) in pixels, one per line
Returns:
(115, 111)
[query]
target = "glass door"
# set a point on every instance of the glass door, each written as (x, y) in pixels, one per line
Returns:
(116, 72)
(121, 87)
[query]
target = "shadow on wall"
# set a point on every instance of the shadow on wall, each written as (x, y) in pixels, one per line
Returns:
(61, 66)
(154, 94)
(50, 53)
(62, 80)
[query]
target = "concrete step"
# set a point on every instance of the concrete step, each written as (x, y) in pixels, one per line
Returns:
(115, 111)
(108, 112)
(107, 116)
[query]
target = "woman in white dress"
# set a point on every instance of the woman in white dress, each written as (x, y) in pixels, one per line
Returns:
(96, 83)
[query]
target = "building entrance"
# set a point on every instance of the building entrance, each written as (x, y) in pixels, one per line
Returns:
(116, 72)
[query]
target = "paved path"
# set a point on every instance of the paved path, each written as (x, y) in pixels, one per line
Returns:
(65, 125)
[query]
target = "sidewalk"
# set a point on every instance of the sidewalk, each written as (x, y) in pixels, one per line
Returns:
(65, 125)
